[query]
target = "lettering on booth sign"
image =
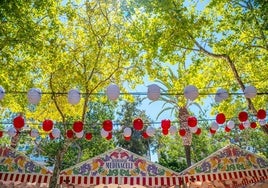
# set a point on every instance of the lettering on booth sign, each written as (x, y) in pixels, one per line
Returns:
(119, 164)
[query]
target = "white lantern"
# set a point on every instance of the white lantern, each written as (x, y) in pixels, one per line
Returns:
(127, 132)
(250, 92)
(230, 124)
(246, 124)
(56, 133)
(153, 92)
(104, 133)
(74, 96)
(191, 92)
(150, 131)
(34, 95)
(172, 130)
(193, 129)
(113, 92)
(2, 92)
(34, 133)
(262, 122)
(11, 131)
(214, 126)
(80, 134)
(221, 95)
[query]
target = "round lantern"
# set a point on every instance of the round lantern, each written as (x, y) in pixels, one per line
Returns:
(253, 125)
(88, 136)
(227, 129)
(110, 136)
(150, 131)
(220, 118)
(193, 129)
(192, 121)
(250, 92)
(127, 138)
(191, 92)
(153, 92)
(182, 132)
(243, 116)
(214, 126)
(34, 133)
(113, 92)
(69, 134)
(47, 125)
(34, 95)
(261, 114)
(230, 124)
(74, 96)
(221, 95)
(107, 125)
(246, 124)
(138, 124)
(79, 134)
(212, 131)
(165, 124)
(127, 132)
(198, 131)
(56, 133)
(165, 131)
(2, 92)
(172, 130)
(262, 122)
(12, 131)
(1, 134)
(145, 135)
(241, 126)
(78, 126)
(104, 133)
(51, 136)
(18, 122)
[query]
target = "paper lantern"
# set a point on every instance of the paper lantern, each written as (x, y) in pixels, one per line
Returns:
(253, 125)
(110, 136)
(113, 92)
(262, 122)
(34, 95)
(193, 129)
(69, 134)
(1, 134)
(165, 124)
(2, 92)
(18, 122)
(221, 95)
(172, 130)
(51, 136)
(214, 126)
(192, 121)
(153, 92)
(78, 126)
(56, 133)
(127, 132)
(243, 116)
(220, 118)
(230, 124)
(104, 133)
(150, 131)
(74, 96)
(246, 124)
(145, 135)
(165, 131)
(198, 131)
(191, 92)
(12, 131)
(47, 125)
(34, 133)
(227, 129)
(212, 131)
(261, 114)
(241, 126)
(182, 132)
(127, 138)
(107, 125)
(250, 92)
(88, 136)
(138, 124)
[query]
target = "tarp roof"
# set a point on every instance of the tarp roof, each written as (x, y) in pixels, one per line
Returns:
(230, 166)
(120, 167)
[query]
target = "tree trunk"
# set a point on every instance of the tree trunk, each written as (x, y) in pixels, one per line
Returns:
(187, 139)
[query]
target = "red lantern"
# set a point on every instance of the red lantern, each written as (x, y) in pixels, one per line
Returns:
(138, 124)
(192, 121)
(47, 125)
(198, 132)
(18, 122)
(1, 134)
(182, 132)
(212, 131)
(220, 118)
(165, 131)
(107, 125)
(227, 129)
(243, 116)
(88, 136)
(51, 136)
(110, 136)
(261, 114)
(78, 126)
(127, 138)
(241, 126)
(253, 125)
(165, 124)
(145, 135)
(69, 134)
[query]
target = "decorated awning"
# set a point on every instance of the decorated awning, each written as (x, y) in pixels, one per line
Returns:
(119, 167)
(17, 168)
(230, 166)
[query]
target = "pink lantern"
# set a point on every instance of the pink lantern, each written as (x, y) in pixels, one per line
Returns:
(70, 134)
(47, 125)
(138, 124)
(113, 92)
(34, 133)
(107, 125)
(191, 92)
(230, 124)
(153, 92)
(165, 124)
(78, 126)
(127, 132)
(220, 118)
(56, 133)
(192, 121)
(261, 114)
(12, 132)
(243, 116)
(214, 126)
(104, 133)
(18, 122)
(2, 92)
(88, 136)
